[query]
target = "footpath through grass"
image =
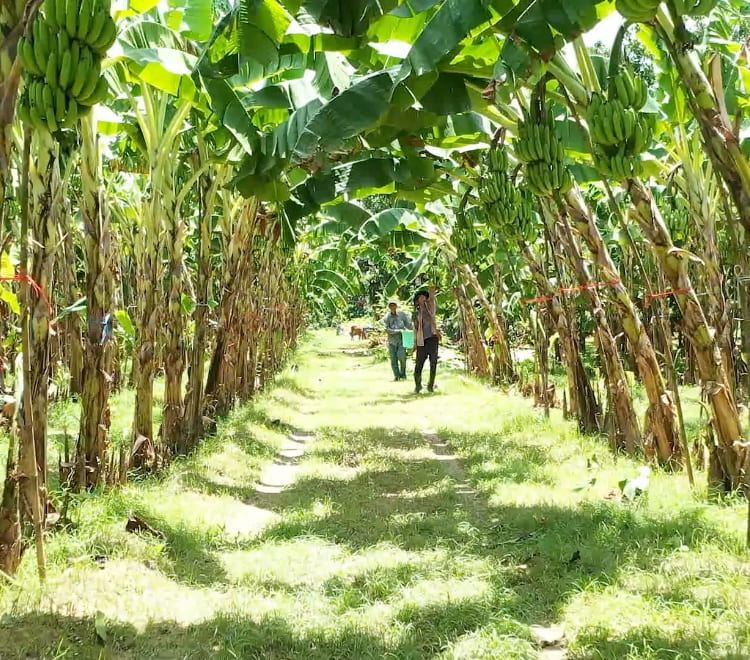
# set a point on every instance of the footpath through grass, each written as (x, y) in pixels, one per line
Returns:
(382, 548)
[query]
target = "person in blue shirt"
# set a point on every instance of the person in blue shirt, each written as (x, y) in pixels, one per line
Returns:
(395, 322)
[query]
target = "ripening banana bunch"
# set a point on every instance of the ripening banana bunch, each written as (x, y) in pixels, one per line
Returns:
(62, 58)
(638, 11)
(694, 7)
(543, 154)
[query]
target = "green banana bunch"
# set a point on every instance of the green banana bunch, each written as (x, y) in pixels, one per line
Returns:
(62, 62)
(497, 192)
(620, 165)
(498, 159)
(525, 225)
(545, 178)
(619, 131)
(629, 89)
(543, 153)
(694, 7)
(610, 122)
(464, 240)
(638, 11)
(88, 21)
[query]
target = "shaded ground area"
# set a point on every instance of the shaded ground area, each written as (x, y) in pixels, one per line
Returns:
(383, 545)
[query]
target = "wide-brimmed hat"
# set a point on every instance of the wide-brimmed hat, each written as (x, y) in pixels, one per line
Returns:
(422, 292)
(393, 302)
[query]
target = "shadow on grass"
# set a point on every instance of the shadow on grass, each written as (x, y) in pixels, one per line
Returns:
(291, 384)
(516, 462)
(539, 554)
(651, 642)
(429, 630)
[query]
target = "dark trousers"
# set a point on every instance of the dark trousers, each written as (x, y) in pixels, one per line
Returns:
(429, 350)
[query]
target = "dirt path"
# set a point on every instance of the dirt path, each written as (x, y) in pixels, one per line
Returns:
(550, 639)
(281, 474)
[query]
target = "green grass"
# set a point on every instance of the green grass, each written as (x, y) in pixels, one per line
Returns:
(380, 549)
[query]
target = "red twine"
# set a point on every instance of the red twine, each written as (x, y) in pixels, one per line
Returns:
(34, 285)
(664, 294)
(572, 289)
(596, 285)
(536, 300)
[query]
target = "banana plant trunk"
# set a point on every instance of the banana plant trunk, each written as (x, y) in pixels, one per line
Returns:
(145, 349)
(582, 396)
(661, 428)
(238, 262)
(11, 14)
(720, 140)
(629, 436)
(11, 543)
(730, 454)
(502, 351)
(99, 340)
(172, 431)
(45, 198)
(717, 308)
(472, 335)
(71, 325)
(194, 395)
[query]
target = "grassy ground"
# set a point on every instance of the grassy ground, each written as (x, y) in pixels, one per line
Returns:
(384, 549)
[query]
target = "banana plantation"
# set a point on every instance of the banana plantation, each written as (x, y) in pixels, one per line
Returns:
(195, 193)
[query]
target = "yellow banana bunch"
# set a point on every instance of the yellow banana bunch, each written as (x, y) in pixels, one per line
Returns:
(62, 62)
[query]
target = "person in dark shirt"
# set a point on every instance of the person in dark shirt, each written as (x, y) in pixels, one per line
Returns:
(427, 337)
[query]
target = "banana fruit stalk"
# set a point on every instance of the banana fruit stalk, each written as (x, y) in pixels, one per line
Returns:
(62, 59)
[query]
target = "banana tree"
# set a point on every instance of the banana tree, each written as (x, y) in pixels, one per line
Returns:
(704, 85)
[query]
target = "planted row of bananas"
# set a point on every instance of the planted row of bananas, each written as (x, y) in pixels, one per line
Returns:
(62, 58)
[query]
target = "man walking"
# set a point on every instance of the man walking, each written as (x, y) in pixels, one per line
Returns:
(395, 322)
(428, 336)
